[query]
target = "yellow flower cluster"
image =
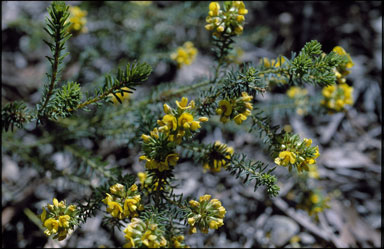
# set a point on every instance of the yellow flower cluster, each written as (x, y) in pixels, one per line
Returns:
(238, 109)
(122, 97)
(215, 164)
(175, 124)
(121, 203)
(342, 70)
(178, 242)
(314, 202)
(77, 20)
(299, 154)
(337, 96)
(184, 55)
(58, 219)
(205, 214)
(300, 97)
(143, 234)
(228, 21)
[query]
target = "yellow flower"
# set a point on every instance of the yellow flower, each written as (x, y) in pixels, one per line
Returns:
(155, 133)
(64, 220)
(133, 188)
(204, 198)
(214, 8)
(52, 225)
(339, 50)
(245, 97)
(222, 212)
(183, 104)
(185, 120)
(229, 20)
(148, 239)
(55, 202)
(239, 118)
(209, 27)
(220, 28)
(145, 138)
(203, 119)
(225, 108)
(239, 29)
(307, 142)
(142, 177)
(191, 221)
(240, 18)
(170, 121)
(184, 55)
(130, 206)
(194, 203)
(72, 208)
(213, 224)
(117, 189)
(328, 91)
(77, 19)
(285, 157)
(115, 209)
(167, 108)
(315, 198)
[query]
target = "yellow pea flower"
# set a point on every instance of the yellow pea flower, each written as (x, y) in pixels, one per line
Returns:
(185, 119)
(226, 107)
(239, 118)
(55, 202)
(204, 198)
(339, 50)
(170, 121)
(183, 104)
(64, 220)
(117, 188)
(52, 225)
(285, 157)
(115, 209)
(214, 8)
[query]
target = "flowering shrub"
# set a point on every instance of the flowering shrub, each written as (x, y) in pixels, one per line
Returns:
(144, 205)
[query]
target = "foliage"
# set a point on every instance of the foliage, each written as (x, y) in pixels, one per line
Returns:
(156, 216)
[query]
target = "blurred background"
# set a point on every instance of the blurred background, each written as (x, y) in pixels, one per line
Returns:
(34, 159)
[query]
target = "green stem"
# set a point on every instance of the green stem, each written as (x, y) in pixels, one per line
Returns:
(54, 70)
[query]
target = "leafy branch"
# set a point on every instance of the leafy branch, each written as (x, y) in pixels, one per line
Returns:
(57, 29)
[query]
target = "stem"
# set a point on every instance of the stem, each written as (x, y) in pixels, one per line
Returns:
(54, 70)
(168, 94)
(98, 98)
